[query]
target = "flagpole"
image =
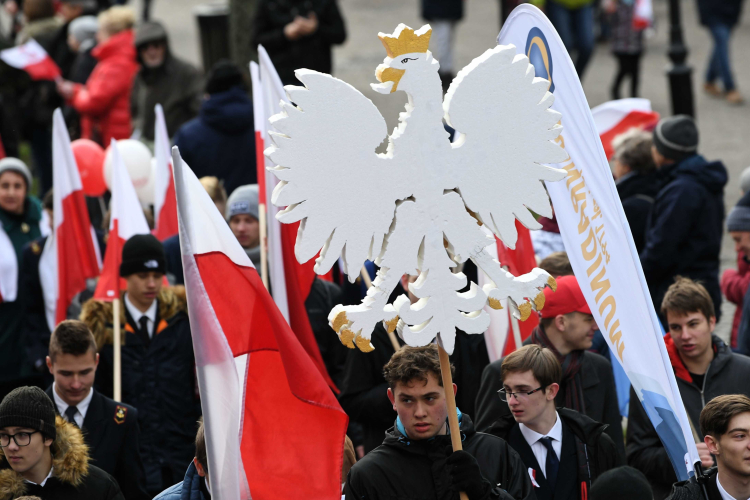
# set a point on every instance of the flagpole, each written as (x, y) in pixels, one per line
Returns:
(516, 330)
(450, 399)
(263, 244)
(117, 393)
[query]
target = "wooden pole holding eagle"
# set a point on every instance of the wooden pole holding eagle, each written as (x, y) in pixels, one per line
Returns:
(428, 197)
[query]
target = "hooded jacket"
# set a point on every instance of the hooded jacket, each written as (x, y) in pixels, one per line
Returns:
(221, 140)
(193, 487)
(72, 476)
(158, 379)
(176, 85)
(104, 102)
(595, 450)
(403, 468)
(683, 235)
(728, 373)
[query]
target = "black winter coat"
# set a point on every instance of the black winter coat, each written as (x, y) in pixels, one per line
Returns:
(599, 395)
(595, 450)
(73, 477)
(402, 468)
(311, 52)
(364, 393)
(685, 226)
(324, 295)
(111, 432)
(35, 327)
(728, 373)
(159, 380)
(719, 12)
(442, 10)
(221, 140)
(637, 193)
(691, 490)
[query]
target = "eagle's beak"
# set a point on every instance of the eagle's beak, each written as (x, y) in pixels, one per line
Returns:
(389, 78)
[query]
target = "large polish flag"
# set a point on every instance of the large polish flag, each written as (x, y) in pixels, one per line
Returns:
(33, 59)
(165, 204)
(77, 253)
(126, 220)
(617, 117)
(284, 437)
(290, 280)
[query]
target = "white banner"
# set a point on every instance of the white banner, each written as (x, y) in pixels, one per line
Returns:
(599, 243)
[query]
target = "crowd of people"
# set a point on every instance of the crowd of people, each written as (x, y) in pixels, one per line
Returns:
(543, 422)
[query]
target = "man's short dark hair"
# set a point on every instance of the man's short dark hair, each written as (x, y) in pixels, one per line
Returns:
(71, 337)
(686, 296)
(410, 363)
(717, 414)
(200, 446)
(540, 361)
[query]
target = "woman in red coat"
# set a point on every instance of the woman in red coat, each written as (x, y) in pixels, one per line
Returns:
(104, 101)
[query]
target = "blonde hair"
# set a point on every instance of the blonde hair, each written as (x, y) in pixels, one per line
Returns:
(116, 19)
(215, 188)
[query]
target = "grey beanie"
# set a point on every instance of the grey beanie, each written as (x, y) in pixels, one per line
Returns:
(243, 200)
(739, 218)
(16, 165)
(84, 28)
(745, 180)
(676, 137)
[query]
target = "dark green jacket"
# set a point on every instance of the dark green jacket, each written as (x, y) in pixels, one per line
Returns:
(21, 229)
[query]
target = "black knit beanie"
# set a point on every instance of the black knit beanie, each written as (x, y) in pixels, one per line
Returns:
(739, 218)
(621, 483)
(29, 407)
(224, 75)
(142, 253)
(676, 137)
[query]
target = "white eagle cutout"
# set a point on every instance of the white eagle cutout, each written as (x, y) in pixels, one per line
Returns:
(418, 207)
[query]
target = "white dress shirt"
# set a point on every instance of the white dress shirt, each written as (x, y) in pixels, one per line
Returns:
(136, 314)
(539, 450)
(51, 470)
(82, 407)
(723, 492)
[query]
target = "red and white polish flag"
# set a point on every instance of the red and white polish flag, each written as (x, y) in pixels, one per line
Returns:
(276, 429)
(126, 220)
(33, 59)
(616, 117)
(165, 205)
(75, 243)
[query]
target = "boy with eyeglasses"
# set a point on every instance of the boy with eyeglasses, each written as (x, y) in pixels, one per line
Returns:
(44, 455)
(565, 451)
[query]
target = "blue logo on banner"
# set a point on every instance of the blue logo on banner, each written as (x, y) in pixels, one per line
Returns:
(669, 430)
(537, 50)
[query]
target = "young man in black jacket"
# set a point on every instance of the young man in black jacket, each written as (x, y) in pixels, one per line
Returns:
(704, 367)
(725, 422)
(565, 451)
(588, 385)
(416, 459)
(110, 429)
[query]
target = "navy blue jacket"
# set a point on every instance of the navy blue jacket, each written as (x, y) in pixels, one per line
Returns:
(188, 489)
(221, 140)
(683, 234)
(725, 12)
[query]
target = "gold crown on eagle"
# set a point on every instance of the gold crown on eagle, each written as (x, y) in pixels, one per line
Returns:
(406, 41)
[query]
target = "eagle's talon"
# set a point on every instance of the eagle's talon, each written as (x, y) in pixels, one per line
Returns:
(364, 344)
(346, 337)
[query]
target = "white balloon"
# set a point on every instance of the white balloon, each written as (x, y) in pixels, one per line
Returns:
(146, 192)
(137, 159)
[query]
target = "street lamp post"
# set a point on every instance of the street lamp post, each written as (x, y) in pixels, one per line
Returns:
(680, 81)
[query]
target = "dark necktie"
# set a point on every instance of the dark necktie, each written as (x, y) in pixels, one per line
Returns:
(143, 322)
(552, 464)
(70, 413)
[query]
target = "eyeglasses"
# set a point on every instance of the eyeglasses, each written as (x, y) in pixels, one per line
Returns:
(21, 438)
(520, 396)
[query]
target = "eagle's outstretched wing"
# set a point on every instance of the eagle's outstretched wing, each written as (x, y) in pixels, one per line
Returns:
(507, 133)
(332, 180)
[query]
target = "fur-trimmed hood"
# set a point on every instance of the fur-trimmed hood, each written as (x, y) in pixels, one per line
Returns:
(98, 314)
(70, 461)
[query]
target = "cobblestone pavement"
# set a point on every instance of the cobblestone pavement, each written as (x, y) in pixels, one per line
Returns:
(723, 128)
